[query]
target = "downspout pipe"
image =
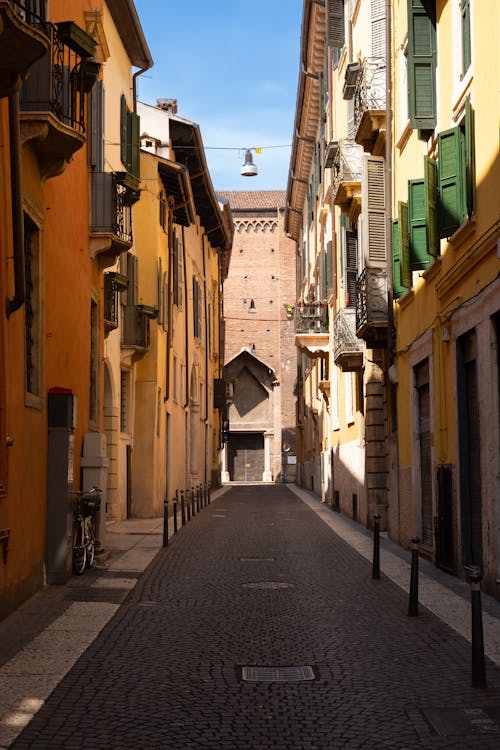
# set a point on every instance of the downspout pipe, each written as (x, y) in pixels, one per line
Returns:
(388, 175)
(15, 302)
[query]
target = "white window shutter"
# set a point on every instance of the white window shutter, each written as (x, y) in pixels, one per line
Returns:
(373, 211)
(378, 28)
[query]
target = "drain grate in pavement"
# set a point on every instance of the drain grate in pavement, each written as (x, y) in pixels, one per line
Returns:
(277, 674)
(268, 585)
(257, 559)
(464, 722)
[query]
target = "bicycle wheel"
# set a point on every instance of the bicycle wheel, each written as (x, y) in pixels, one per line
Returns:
(90, 541)
(79, 551)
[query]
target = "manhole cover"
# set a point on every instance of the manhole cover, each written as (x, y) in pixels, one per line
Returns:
(268, 585)
(277, 674)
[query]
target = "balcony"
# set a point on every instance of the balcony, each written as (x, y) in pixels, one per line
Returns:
(369, 105)
(22, 40)
(135, 333)
(372, 315)
(347, 348)
(347, 164)
(52, 99)
(114, 283)
(110, 217)
(311, 328)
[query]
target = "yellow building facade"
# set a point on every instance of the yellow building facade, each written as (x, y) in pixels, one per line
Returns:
(391, 199)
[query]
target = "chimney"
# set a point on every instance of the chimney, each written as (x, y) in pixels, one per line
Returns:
(167, 105)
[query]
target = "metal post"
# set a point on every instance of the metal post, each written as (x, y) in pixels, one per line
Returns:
(188, 503)
(183, 510)
(474, 577)
(209, 487)
(198, 499)
(376, 547)
(165, 523)
(413, 600)
(175, 515)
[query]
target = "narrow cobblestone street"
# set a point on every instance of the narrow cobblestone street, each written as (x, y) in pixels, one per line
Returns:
(258, 580)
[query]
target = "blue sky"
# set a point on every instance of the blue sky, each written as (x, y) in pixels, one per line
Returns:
(233, 68)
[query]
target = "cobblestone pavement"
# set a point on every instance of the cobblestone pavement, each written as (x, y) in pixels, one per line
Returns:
(258, 580)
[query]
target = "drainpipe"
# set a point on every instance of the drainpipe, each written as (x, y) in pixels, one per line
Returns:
(388, 174)
(15, 302)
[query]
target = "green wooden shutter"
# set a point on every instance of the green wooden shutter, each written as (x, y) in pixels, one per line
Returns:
(133, 165)
(335, 23)
(328, 269)
(404, 245)
(470, 172)
(397, 288)
(419, 257)
(373, 208)
(123, 130)
(452, 192)
(466, 36)
(421, 64)
(431, 218)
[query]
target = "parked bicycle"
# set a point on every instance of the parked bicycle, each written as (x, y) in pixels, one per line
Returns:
(84, 529)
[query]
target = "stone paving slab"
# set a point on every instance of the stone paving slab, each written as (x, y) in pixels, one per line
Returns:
(264, 582)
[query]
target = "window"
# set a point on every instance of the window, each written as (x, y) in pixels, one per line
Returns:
(424, 433)
(422, 64)
(197, 319)
(373, 211)
(129, 139)
(335, 33)
(174, 375)
(32, 313)
(94, 363)
(163, 210)
(327, 271)
(96, 129)
(349, 398)
(456, 178)
(469, 447)
(465, 35)
(125, 378)
(177, 271)
(378, 28)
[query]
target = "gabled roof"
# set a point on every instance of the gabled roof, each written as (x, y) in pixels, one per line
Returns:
(245, 354)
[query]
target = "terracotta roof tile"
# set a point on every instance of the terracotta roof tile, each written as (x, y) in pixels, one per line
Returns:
(251, 200)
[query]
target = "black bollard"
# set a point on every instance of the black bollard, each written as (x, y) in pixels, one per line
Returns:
(198, 500)
(376, 547)
(183, 510)
(188, 504)
(165, 523)
(413, 600)
(209, 487)
(474, 577)
(175, 515)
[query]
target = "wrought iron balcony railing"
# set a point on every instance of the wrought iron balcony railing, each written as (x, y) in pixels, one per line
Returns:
(57, 83)
(135, 326)
(114, 283)
(23, 41)
(370, 87)
(111, 210)
(33, 12)
(347, 165)
(347, 348)
(311, 317)
(372, 306)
